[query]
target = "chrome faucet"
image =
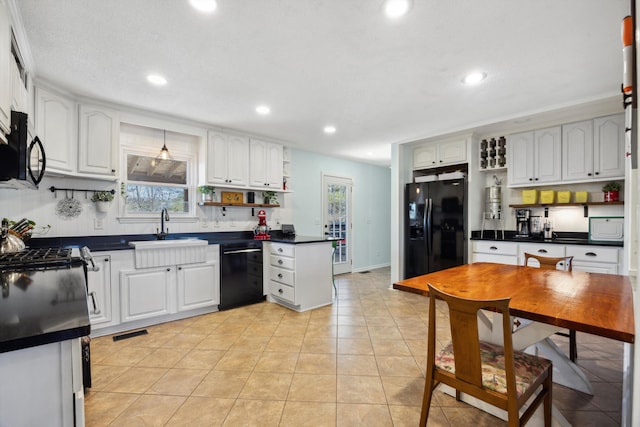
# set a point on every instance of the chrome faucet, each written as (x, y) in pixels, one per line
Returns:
(164, 216)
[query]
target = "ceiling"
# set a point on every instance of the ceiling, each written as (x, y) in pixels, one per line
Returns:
(338, 62)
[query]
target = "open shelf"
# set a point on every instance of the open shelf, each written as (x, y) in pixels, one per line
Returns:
(246, 205)
(549, 205)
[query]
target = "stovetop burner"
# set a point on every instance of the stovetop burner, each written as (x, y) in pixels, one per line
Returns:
(35, 258)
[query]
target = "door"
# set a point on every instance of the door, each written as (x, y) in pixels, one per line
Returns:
(418, 205)
(446, 224)
(336, 208)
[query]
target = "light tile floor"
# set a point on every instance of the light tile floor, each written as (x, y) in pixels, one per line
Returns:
(359, 362)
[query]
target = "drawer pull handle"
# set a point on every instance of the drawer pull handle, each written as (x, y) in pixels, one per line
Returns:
(493, 248)
(542, 251)
(280, 250)
(96, 309)
(280, 261)
(280, 275)
(590, 254)
(280, 290)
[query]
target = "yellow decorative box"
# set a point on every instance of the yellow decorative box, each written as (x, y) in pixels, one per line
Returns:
(547, 196)
(529, 197)
(581, 196)
(564, 196)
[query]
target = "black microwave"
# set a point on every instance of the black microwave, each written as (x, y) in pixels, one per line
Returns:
(22, 163)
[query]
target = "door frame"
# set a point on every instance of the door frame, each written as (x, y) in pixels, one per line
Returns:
(346, 267)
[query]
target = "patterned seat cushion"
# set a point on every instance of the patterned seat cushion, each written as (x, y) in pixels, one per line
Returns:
(527, 367)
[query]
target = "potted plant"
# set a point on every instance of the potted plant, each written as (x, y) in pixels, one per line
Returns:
(207, 192)
(611, 191)
(102, 199)
(270, 197)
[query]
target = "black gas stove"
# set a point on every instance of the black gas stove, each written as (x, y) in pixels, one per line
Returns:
(42, 258)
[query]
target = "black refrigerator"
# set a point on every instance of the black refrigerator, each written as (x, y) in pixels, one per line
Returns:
(436, 217)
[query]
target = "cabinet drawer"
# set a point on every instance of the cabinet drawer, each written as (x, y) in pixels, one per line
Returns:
(593, 254)
(282, 291)
(283, 249)
(282, 262)
(499, 248)
(549, 250)
(281, 275)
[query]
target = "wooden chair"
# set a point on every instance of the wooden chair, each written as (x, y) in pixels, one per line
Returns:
(495, 374)
(558, 263)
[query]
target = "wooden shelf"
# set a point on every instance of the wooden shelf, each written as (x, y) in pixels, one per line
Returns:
(550, 205)
(243, 205)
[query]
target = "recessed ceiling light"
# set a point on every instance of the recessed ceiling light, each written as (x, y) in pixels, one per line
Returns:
(156, 79)
(263, 109)
(206, 6)
(474, 78)
(329, 129)
(396, 8)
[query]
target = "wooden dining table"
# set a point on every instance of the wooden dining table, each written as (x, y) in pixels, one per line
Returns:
(599, 304)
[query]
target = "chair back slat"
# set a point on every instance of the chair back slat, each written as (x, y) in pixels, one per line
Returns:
(550, 263)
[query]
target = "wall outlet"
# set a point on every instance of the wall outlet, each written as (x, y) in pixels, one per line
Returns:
(98, 223)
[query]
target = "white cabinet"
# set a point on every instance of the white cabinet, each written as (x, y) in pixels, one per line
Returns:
(440, 154)
(99, 289)
(5, 70)
(56, 127)
(227, 159)
(609, 146)
(146, 292)
(534, 157)
(198, 285)
(593, 149)
(265, 164)
(594, 259)
(542, 249)
(98, 141)
(496, 252)
(19, 93)
(299, 275)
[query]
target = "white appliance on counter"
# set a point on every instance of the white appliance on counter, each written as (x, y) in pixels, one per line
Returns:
(606, 229)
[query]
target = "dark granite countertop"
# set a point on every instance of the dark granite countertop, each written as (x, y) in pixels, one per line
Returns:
(121, 242)
(560, 238)
(42, 307)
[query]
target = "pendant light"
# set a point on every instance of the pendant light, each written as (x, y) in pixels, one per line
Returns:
(164, 154)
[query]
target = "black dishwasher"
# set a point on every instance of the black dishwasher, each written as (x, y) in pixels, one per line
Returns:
(240, 274)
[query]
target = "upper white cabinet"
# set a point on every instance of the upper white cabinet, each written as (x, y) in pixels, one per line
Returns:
(593, 149)
(227, 159)
(56, 127)
(534, 157)
(19, 93)
(265, 164)
(98, 140)
(440, 154)
(5, 70)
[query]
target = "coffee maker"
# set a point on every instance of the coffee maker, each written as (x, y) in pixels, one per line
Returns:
(523, 217)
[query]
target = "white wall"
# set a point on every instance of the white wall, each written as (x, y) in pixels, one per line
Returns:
(371, 201)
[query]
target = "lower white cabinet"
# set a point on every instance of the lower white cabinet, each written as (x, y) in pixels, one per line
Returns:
(496, 252)
(594, 259)
(146, 292)
(541, 249)
(99, 289)
(299, 275)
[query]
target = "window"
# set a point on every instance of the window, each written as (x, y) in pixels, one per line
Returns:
(151, 184)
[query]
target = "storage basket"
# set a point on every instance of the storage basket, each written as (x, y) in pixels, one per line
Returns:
(581, 196)
(564, 196)
(529, 197)
(547, 196)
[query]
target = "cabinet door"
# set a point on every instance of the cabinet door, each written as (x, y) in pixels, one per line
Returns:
(520, 159)
(452, 152)
(217, 158)
(609, 146)
(146, 293)
(257, 163)
(425, 156)
(5, 71)
(274, 166)
(99, 287)
(238, 160)
(98, 140)
(595, 268)
(577, 151)
(547, 154)
(55, 124)
(198, 286)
